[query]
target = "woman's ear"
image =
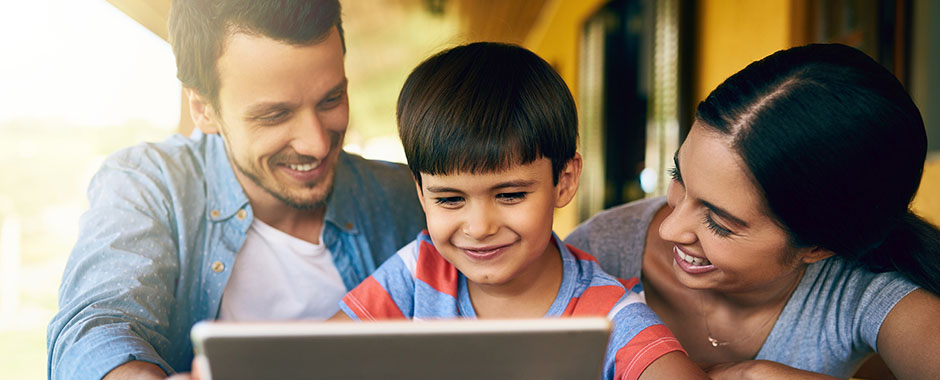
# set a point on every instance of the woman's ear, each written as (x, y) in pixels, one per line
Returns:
(204, 115)
(815, 254)
(568, 181)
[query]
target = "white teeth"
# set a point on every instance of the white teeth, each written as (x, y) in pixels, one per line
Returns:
(691, 259)
(303, 168)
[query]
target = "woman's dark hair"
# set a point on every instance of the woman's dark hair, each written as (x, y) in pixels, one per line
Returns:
(837, 147)
(483, 107)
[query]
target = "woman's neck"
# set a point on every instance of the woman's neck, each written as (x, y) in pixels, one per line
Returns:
(739, 322)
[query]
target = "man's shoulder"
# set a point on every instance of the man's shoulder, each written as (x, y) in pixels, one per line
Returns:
(626, 215)
(388, 184)
(175, 168)
(175, 155)
(384, 172)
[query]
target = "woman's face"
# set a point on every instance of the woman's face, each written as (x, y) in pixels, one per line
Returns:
(724, 238)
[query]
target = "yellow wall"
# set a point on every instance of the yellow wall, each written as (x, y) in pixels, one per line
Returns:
(556, 35)
(927, 202)
(730, 35)
(734, 33)
(556, 38)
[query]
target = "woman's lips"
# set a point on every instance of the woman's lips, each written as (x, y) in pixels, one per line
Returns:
(691, 264)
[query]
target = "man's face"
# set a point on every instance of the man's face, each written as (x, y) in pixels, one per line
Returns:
(283, 113)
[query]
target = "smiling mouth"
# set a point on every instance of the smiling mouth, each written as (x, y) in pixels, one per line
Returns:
(304, 167)
(484, 252)
(696, 261)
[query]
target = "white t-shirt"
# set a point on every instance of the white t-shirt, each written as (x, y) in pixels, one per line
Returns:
(277, 276)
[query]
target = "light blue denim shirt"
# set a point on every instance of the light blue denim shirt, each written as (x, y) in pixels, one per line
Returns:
(157, 245)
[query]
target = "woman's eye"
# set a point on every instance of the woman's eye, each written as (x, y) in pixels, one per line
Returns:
(676, 176)
(449, 201)
(511, 198)
(715, 227)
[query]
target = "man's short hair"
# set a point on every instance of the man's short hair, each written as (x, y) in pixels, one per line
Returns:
(199, 28)
(484, 107)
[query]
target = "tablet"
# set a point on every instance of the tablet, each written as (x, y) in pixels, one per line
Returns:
(558, 348)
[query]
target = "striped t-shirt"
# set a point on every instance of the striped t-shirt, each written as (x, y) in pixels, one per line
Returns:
(418, 283)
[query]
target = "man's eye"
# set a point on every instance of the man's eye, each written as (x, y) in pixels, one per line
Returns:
(332, 101)
(449, 201)
(274, 117)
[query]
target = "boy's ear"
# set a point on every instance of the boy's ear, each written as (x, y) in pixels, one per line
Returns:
(814, 254)
(420, 193)
(202, 112)
(568, 181)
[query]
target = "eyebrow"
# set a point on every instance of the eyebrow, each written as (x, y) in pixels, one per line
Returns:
(265, 107)
(724, 214)
(501, 185)
(715, 209)
(338, 88)
(260, 109)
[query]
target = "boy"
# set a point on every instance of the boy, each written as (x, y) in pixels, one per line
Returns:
(490, 133)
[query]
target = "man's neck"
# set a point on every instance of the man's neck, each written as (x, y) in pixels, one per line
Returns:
(302, 224)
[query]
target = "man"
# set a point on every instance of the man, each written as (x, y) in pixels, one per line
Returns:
(258, 215)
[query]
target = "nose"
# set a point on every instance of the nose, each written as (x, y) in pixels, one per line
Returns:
(679, 225)
(480, 222)
(309, 137)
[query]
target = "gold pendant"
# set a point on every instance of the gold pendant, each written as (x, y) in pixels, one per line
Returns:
(715, 343)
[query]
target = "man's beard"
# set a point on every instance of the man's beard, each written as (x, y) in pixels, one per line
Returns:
(292, 157)
(303, 205)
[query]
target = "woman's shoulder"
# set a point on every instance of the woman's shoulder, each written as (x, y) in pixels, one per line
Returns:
(617, 236)
(626, 217)
(839, 276)
(841, 306)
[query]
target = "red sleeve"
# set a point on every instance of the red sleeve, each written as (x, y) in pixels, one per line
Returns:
(370, 302)
(650, 344)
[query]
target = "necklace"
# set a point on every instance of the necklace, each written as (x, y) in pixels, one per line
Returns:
(714, 342)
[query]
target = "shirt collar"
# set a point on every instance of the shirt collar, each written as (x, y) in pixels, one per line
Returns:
(342, 206)
(225, 194)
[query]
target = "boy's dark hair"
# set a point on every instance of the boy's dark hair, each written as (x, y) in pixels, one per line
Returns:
(199, 28)
(484, 107)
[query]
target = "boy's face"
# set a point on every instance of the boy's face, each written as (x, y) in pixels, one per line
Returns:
(496, 227)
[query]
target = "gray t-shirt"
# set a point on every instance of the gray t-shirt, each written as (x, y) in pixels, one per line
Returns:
(830, 323)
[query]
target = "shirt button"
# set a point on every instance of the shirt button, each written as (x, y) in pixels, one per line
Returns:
(218, 267)
(241, 214)
(349, 226)
(214, 213)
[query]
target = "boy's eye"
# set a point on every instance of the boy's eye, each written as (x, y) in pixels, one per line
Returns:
(511, 198)
(449, 201)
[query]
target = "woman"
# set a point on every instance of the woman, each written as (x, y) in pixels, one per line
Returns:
(785, 246)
